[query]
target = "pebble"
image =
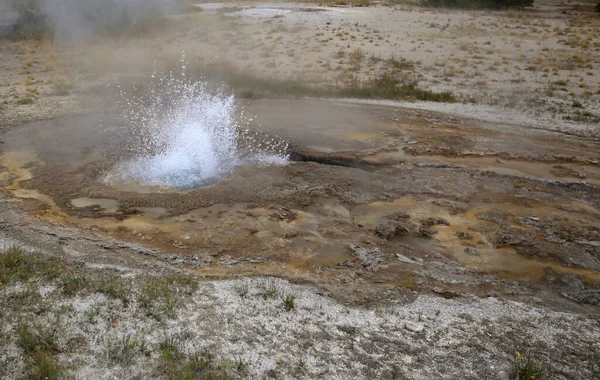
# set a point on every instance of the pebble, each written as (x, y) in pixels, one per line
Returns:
(414, 327)
(472, 251)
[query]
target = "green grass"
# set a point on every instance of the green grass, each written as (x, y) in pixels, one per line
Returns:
(176, 364)
(37, 338)
(25, 100)
(583, 117)
(269, 290)
(476, 4)
(289, 302)
(242, 290)
(32, 341)
(158, 295)
(525, 368)
(43, 367)
(39, 348)
(388, 85)
(18, 266)
(72, 282)
(385, 86)
(124, 350)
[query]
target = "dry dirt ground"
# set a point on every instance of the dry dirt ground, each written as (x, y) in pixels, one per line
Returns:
(409, 240)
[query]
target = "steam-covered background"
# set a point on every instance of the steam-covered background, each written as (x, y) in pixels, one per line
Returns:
(80, 18)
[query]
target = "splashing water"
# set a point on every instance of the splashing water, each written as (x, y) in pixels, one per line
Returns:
(186, 135)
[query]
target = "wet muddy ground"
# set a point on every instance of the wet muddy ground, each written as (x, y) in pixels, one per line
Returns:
(399, 198)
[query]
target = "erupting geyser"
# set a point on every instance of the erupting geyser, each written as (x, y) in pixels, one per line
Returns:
(184, 134)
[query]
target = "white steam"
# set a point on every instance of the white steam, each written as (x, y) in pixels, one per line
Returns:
(84, 18)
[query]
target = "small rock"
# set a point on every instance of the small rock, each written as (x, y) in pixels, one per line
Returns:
(464, 235)
(472, 251)
(426, 231)
(291, 234)
(435, 222)
(284, 214)
(407, 360)
(230, 262)
(256, 260)
(414, 327)
(405, 259)
(389, 230)
(399, 215)
(369, 258)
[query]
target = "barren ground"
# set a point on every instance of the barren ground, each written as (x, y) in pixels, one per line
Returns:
(417, 239)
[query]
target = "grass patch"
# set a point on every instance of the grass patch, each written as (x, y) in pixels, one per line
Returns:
(388, 85)
(25, 100)
(43, 367)
(242, 290)
(113, 286)
(289, 302)
(269, 290)
(123, 350)
(476, 4)
(175, 363)
(583, 117)
(158, 295)
(18, 266)
(385, 86)
(39, 347)
(525, 368)
(72, 283)
(32, 341)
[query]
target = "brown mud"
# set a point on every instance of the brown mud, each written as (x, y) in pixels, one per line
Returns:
(395, 197)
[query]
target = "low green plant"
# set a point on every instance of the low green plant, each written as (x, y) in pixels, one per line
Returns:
(476, 4)
(39, 348)
(41, 366)
(111, 285)
(158, 295)
(175, 363)
(525, 368)
(289, 302)
(18, 266)
(301, 366)
(388, 86)
(25, 100)
(123, 350)
(242, 290)
(30, 340)
(269, 289)
(583, 117)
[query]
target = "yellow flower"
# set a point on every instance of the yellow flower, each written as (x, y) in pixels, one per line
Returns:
(519, 356)
(532, 377)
